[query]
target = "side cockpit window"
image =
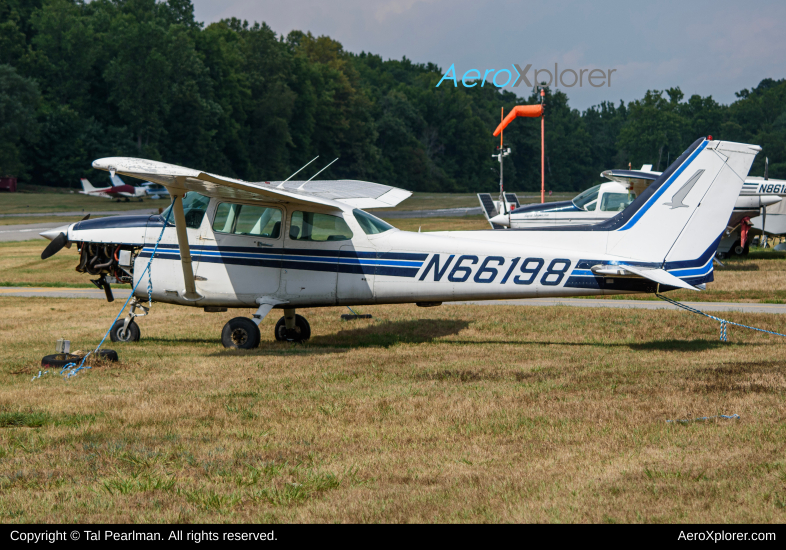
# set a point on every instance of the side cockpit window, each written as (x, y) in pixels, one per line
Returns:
(246, 219)
(310, 226)
(616, 202)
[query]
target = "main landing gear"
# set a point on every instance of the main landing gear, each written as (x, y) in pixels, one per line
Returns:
(243, 333)
(238, 333)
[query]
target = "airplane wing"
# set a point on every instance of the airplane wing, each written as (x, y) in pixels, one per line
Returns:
(359, 194)
(631, 176)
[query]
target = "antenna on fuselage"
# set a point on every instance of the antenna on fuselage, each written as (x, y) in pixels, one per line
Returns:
(280, 185)
(315, 175)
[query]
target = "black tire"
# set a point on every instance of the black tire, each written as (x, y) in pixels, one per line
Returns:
(60, 360)
(738, 250)
(240, 333)
(300, 333)
(130, 335)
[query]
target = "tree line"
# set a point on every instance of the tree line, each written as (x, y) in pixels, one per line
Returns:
(82, 80)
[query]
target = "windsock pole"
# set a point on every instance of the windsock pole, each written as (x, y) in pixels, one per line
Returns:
(542, 148)
(531, 111)
(501, 166)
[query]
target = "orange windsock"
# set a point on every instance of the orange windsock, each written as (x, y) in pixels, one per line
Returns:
(519, 110)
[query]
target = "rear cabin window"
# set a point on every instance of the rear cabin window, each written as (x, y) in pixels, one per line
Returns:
(310, 226)
(246, 219)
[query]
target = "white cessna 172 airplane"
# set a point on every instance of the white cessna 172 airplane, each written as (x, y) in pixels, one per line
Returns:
(289, 245)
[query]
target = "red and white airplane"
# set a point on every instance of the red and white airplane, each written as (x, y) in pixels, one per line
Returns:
(122, 191)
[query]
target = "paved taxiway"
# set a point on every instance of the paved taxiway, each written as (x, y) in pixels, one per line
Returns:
(122, 294)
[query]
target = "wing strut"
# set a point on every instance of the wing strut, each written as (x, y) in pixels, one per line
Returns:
(191, 293)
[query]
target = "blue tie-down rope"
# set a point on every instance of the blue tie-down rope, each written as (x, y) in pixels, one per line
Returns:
(71, 369)
(724, 416)
(723, 322)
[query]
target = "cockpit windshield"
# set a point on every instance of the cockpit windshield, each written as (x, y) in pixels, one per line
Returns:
(585, 198)
(194, 207)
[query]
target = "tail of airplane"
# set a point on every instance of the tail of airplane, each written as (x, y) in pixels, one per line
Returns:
(116, 181)
(87, 187)
(489, 206)
(489, 210)
(675, 225)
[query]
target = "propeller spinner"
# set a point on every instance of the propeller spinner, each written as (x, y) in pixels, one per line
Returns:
(55, 246)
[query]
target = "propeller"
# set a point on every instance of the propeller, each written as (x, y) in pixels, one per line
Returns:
(55, 246)
(57, 241)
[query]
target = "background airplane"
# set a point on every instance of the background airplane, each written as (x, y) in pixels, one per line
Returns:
(154, 190)
(605, 200)
(118, 190)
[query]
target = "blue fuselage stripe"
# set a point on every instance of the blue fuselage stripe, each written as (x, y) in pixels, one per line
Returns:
(657, 195)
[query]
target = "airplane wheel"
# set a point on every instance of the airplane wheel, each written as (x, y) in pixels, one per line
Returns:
(739, 250)
(130, 335)
(300, 333)
(240, 333)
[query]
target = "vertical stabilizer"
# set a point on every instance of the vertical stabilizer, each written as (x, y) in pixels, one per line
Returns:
(487, 204)
(87, 187)
(681, 215)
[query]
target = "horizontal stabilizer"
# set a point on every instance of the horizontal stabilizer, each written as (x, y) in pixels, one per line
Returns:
(658, 275)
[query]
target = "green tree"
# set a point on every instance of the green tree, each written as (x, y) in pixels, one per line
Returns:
(19, 97)
(654, 127)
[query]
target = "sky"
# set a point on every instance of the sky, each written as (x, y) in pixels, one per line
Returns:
(712, 48)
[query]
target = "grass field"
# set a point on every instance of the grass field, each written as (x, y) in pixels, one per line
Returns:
(32, 203)
(450, 414)
(434, 201)
(57, 200)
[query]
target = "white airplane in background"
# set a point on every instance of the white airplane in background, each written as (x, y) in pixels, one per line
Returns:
(289, 245)
(118, 190)
(606, 200)
(154, 190)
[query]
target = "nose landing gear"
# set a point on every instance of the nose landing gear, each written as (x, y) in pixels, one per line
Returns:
(126, 330)
(121, 333)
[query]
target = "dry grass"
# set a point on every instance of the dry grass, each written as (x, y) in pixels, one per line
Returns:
(21, 264)
(759, 277)
(29, 203)
(463, 223)
(40, 219)
(432, 201)
(64, 201)
(451, 414)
